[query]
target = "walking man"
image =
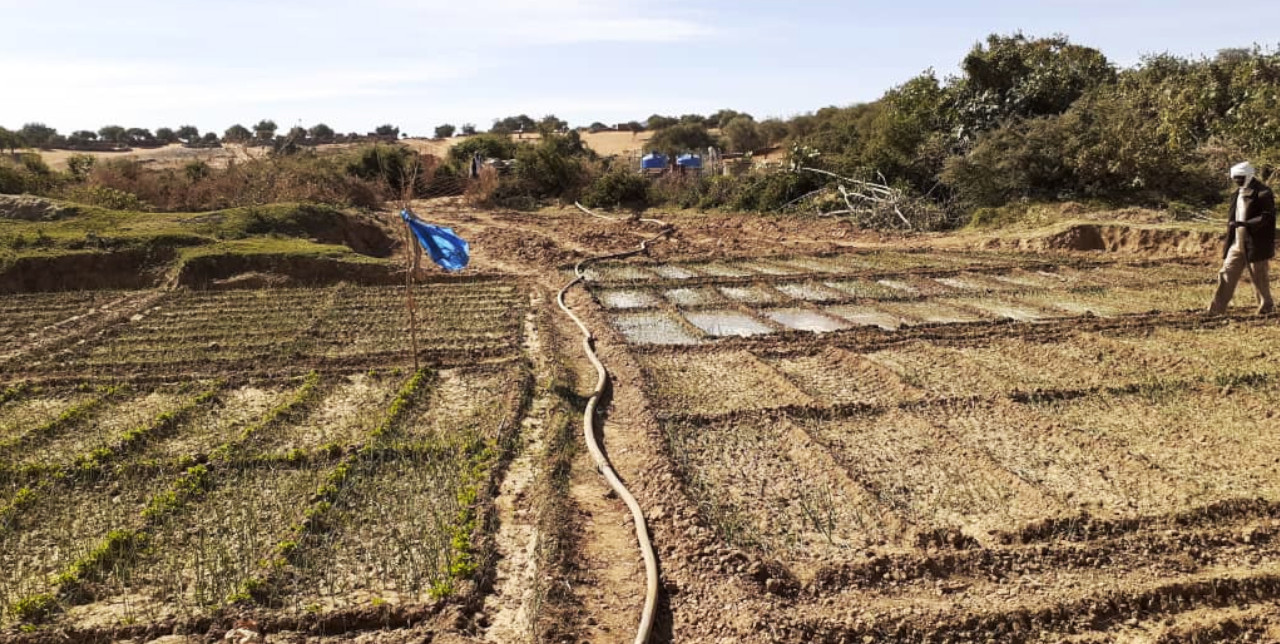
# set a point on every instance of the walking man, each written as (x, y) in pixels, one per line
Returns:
(1250, 242)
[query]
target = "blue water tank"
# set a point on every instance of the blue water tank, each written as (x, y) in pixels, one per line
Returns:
(689, 161)
(653, 161)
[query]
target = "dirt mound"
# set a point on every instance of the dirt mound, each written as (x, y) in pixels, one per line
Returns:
(250, 271)
(253, 280)
(28, 208)
(1116, 238)
(127, 269)
(320, 224)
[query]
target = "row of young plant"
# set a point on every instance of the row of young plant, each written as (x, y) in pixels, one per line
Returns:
(468, 458)
(123, 547)
(68, 585)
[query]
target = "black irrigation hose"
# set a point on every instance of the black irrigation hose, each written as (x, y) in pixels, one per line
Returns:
(588, 428)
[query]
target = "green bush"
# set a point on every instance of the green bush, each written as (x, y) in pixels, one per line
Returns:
(620, 187)
(490, 146)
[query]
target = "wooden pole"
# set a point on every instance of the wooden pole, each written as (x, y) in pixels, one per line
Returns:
(411, 266)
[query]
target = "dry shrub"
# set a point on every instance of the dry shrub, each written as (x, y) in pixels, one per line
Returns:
(299, 178)
(480, 192)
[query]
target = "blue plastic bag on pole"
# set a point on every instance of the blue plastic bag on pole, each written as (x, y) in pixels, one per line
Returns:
(446, 248)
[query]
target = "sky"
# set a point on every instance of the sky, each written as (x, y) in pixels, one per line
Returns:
(420, 63)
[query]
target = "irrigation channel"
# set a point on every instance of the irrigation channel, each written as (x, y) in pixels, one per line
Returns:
(589, 425)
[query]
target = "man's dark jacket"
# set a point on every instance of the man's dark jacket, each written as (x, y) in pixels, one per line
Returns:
(1259, 220)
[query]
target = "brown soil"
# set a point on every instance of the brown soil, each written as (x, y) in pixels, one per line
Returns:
(1078, 478)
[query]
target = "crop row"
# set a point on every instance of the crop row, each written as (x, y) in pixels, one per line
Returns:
(979, 468)
(837, 264)
(317, 483)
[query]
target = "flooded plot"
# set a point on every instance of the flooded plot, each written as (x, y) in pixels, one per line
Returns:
(811, 292)
(865, 289)
(901, 286)
(837, 377)
(805, 320)
(814, 264)
(1003, 309)
(756, 294)
(765, 267)
(1065, 303)
(963, 283)
(722, 270)
(672, 272)
(930, 312)
(866, 316)
(654, 328)
(1038, 279)
(926, 286)
(717, 383)
(727, 323)
(905, 461)
(693, 296)
(628, 299)
(617, 272)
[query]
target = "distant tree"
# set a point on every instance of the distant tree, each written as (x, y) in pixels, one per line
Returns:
(552, 123)
(696, 119)
(10, 140)
(633, 126)
(445, 131)
(742, 134)
(82, 135)
(658, 121)
(37, 135)
(773, 131)
(387, 130)
(489, 146)
(189, 134)
(237, 134)
(1016, 76)
(597, 127)
(297, 133)
(468, 129)
(166, 135)
(722, 118)
(678, 139)
(112, 133)
(209, 138)
(136, 135)
(321, 132)
(265, 129)
(512, 124)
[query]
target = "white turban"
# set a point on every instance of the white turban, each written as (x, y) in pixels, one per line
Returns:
(1244, 169)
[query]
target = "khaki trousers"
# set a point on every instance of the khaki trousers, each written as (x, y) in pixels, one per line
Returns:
(1232, 267)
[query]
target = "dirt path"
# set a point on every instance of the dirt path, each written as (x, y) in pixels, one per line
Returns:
(510, 604)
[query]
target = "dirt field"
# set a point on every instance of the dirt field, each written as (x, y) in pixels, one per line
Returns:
(169, 155)
(834, 436)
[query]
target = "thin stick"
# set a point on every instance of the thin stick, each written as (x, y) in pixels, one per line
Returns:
(408, 290)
